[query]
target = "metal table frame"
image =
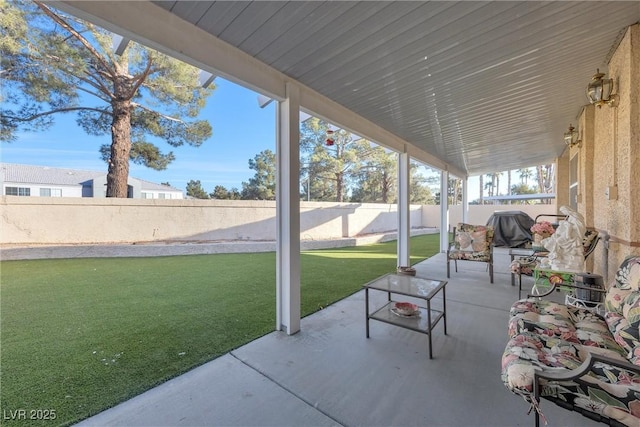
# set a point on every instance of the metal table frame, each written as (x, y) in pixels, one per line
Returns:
(414, 287)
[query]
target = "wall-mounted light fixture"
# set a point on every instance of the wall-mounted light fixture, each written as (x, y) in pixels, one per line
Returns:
(571, 137)
(599, 90)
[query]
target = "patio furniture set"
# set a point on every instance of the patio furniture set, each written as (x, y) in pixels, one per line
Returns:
(583, 355)
(576, 358)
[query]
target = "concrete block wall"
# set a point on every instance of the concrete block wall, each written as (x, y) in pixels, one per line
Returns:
(40, 220)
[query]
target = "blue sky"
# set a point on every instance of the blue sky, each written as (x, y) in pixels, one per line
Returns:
(241, 129)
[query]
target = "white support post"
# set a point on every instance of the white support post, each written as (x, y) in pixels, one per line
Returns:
(444, 211)
(404, 215)
(465, 200)
(288, 213)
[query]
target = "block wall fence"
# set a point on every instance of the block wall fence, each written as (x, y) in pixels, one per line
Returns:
(42, 221)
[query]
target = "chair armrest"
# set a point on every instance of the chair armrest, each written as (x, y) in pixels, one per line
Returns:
(566, 375)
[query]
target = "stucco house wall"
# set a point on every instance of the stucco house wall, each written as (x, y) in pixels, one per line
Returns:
(609, 160)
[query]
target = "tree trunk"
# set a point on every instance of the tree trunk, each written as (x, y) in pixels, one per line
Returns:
(120, 148)
(339, 184)
(385, 187)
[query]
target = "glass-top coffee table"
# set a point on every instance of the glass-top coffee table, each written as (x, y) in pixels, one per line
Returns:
(424, 319)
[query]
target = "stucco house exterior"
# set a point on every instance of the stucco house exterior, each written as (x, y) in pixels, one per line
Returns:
(44, 181)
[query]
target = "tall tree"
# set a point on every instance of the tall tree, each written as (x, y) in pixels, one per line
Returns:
(330, 168)
(494, 184)
(455, 191)
(219, 192)
(545, 178)
(523, 189)
(525, 174)
(263, 184)
(490, 185)
(195, 190)
(375, 179)
(53, 63)
(419, 193)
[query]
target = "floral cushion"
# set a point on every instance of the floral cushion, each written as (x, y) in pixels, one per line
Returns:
(610, 392)
(545, 334)
(622, 305)
(572, 324)
(472, 243)
(473, 238)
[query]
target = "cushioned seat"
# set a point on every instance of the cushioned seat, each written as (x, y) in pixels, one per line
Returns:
(577, 358)
(471, 243)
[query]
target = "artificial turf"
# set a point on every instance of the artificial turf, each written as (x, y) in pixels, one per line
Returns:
(78, 336)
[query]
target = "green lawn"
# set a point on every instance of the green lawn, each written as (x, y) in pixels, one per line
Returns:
(81, 335)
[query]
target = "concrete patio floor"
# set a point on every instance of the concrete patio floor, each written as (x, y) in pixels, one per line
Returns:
(331, 374)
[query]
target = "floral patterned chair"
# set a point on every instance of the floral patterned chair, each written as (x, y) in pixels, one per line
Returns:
(471, 243)
(577, 359)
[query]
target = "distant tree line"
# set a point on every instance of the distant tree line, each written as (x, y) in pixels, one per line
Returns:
(543, 179)
(353, 169)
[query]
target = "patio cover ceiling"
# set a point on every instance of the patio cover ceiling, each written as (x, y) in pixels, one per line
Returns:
(471, 87)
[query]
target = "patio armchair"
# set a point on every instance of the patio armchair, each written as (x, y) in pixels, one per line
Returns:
(471, 243)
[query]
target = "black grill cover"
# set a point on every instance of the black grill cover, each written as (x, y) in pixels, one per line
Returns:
(512, 228)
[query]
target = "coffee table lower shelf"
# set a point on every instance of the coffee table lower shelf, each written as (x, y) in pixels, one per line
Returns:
(419, 323)
(424, 322)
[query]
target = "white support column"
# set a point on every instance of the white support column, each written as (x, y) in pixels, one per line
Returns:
(465, 200)
(444, 211)
(404, 214)
(288, 213)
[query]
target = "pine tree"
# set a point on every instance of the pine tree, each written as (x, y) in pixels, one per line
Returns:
(53, 63)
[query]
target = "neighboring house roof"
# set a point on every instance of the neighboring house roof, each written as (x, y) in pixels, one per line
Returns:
(31, 174)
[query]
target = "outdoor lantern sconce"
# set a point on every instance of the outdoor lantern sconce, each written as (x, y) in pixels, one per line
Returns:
(599, 90)
(571, 137)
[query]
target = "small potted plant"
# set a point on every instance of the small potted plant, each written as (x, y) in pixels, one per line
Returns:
(407, 271)
(541, 230)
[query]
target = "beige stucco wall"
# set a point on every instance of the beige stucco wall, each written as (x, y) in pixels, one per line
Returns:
(610, 158)
(563, 178)
(40, 220)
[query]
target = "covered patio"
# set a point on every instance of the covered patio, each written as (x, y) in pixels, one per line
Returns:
(466, 87)
(331, 374)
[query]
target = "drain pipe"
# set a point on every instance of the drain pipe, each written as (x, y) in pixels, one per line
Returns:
(605, 257)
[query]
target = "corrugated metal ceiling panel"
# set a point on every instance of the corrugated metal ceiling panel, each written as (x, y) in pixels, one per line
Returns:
(475, 83)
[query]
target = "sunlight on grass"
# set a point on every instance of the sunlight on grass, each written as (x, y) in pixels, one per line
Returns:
(351, 254)
(81, 335)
